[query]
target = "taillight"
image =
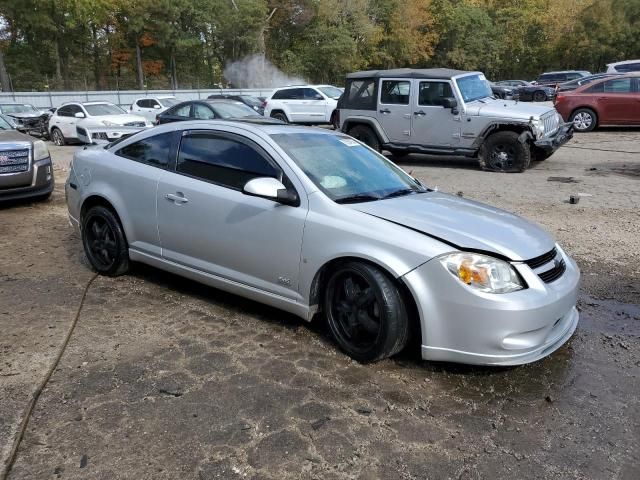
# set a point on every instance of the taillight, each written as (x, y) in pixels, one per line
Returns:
(264, 104)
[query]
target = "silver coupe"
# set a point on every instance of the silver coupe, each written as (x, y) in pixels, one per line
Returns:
(313, 221)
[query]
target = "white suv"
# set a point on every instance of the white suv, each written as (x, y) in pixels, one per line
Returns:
(150, 107)
(88, 121)
(308, 104)
(624, 67)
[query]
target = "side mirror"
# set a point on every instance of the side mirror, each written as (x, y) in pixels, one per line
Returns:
(271, 189)
(156, 106)
(449, 102)
(79, 115)
(318, 97)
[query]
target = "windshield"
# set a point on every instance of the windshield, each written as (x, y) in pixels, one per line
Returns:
(233, 110)
(5, 125)
(344, 169)
(253, 101)
(98, 109)
(13, 108)
(331, 92)
(168, 102)
(474, 87)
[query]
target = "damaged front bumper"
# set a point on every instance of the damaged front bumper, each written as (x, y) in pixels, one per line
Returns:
(99, 135)
(552, 143)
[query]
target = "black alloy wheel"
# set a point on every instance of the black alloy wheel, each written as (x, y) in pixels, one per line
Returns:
(539, 96)
(504, 152)
(365, 312)
(104, 242)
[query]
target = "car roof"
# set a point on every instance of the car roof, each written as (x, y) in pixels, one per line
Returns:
(624, 62)
(566, 71)
(439, 73)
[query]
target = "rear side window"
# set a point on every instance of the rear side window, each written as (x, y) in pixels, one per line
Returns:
(395, 92)
(154, 150)
(619, 85)
(222, 160)
(202, 112)
(360, 94)
(180, 111)
(147, 103)
(289, 94)
(628, 67)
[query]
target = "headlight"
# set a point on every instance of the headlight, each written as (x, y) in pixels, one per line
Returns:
(482, 272)
(40, 150)
(538, 127)
(108, 123)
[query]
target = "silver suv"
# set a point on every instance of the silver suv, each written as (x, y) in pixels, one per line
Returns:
(448, 112)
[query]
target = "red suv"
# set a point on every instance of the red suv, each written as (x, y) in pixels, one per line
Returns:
(611, 101)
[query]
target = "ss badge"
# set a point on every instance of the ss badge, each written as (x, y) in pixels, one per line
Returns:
(284, 281)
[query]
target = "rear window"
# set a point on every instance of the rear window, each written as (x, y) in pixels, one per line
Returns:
(360, 94)
(629, 67)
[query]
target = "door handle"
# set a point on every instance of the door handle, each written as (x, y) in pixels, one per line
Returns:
(385, 111)
(177, 198)
(419, 113)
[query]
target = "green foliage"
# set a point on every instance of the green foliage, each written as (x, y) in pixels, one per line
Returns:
(104, 44)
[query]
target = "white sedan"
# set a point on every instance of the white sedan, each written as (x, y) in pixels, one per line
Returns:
(89, 121)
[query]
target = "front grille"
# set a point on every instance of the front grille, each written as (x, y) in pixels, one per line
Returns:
(100, 135)
(551, 123)
(134, 124)
(555, 273)
(14, 161)
(542, 259)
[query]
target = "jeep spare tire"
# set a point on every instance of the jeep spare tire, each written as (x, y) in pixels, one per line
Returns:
(504, 152)
(366, 135)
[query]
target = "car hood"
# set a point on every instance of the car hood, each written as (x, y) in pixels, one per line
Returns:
(463, 224)
(117, 119)
(14, 136)
(506, 109)
(25, 115)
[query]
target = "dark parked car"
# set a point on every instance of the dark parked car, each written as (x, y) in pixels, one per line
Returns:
(578, 82)
(552, 79)
(528, 92)
(609, 101)
(211, 109)
(25, 166)
(28, 119)
(249, 100)
(503, 91)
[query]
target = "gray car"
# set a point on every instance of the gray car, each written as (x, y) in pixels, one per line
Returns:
(448, 112)
(25, 165)
(309, 220)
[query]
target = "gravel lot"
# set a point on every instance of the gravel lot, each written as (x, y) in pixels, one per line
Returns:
(168, 379)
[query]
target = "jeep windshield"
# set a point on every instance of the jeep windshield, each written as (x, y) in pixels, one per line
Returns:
(344, 169)
(474, 87)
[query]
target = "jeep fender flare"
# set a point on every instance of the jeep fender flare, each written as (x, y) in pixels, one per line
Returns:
(524, 129)
(370, 122)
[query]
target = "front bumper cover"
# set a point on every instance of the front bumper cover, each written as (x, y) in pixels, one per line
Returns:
(555, 141)
(101, 135)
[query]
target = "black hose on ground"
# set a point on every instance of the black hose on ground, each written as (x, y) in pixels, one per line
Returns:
(8, 464)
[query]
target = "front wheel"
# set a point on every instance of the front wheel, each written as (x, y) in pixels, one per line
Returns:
(57, 137)
(504, 152)
(539, 96)
(584, 120)
(104, 242)
(365, 312)
(366, 135)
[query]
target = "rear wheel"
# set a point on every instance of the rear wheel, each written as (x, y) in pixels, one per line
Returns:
(335, 122)
(366, 135)
(57, 137)
(584, 120)
(280, 116)
(365, 312)
(504, 152)
(539, 96)
(104, 242)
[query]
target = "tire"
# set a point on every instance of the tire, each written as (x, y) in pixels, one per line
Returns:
(104, 242)
(539, 96)
(584, 120)
(280, 116)
(57, 137)
(334, 120)
(503, 152)
(365, 312)
(366, 135)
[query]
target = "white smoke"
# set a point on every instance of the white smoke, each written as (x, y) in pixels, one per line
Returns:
(255, 71)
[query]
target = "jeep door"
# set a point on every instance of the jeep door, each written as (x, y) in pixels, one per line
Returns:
(207, 223)
(433, 124)
(394, 109)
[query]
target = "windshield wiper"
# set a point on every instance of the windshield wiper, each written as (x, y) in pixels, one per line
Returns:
(402, 192)
(357, 198)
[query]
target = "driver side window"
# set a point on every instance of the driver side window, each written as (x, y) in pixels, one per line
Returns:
(202, 112)
(431, 94)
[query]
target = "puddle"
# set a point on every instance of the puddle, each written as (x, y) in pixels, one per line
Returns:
(563, 179)
(626, 169)
(609, 316)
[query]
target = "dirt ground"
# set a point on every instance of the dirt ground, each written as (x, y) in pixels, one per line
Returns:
(168, 379)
